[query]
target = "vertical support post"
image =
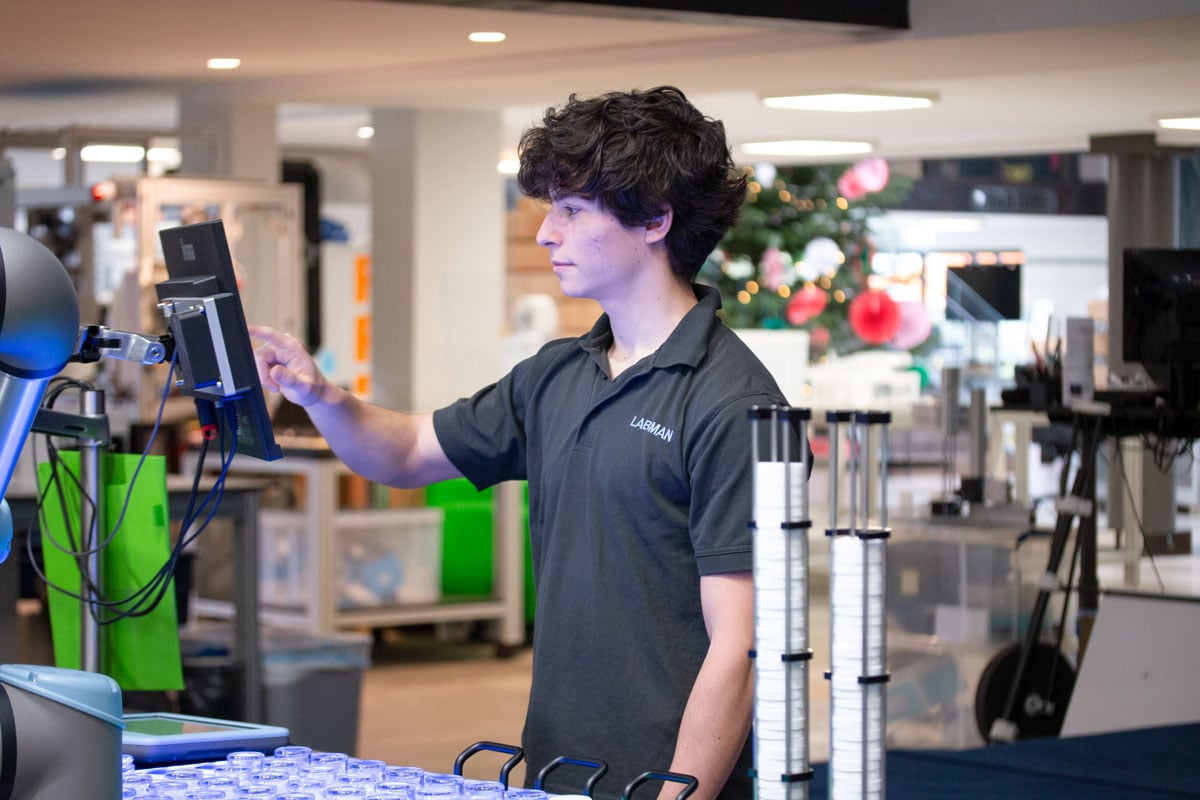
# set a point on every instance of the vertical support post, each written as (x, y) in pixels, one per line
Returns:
(858, 625)
(780, 523)
(91, 518)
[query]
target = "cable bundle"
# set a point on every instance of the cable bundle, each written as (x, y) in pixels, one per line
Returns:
(858, 641)
(104, 609)
(782, 655)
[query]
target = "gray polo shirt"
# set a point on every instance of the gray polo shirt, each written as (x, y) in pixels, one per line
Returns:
(637, 487)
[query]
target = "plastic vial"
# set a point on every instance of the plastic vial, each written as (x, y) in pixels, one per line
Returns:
(366, 766)
(289, 764)
(294, 751)
(272, 777)
(138, 780)
(525, 794)
(190, 775)
(435, 791)
(257, 791)
(406, 774)
(222, 783)
(325, 773)
(251, 758)
(343, 792)
(483, 790)
(339, 759)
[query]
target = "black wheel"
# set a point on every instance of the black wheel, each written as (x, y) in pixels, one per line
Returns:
(1042, 700)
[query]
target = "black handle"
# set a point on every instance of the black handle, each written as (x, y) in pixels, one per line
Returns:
(516, 753)
(600, 768)
(676, 777)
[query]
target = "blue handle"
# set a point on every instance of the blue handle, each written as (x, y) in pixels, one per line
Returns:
(516, 753)
(600, 768)
(676, 777)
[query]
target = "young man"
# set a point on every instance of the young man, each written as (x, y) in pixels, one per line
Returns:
(634, 439)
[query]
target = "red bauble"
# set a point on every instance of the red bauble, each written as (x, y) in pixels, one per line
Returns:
(874, 317)
(805, 304)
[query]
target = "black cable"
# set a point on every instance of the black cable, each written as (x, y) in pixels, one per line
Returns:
(136, 604)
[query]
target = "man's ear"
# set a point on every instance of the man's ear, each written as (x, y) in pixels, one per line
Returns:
(658, 227)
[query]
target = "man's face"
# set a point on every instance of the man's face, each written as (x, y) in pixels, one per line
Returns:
(591, 252)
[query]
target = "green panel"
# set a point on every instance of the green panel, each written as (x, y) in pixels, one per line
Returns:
(467, 558)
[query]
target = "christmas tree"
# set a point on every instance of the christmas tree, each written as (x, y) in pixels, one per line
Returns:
(801, 256)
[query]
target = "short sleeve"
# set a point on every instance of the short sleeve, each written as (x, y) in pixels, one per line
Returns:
(722, 488)
(484, 435)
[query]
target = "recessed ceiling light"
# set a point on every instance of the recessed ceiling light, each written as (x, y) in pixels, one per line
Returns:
(365, 132)
(224, 63)
(806, 148)
(486, 36)
(850, 101)
(1191, 123)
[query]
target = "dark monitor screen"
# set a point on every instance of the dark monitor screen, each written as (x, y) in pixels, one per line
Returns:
(998, 285)
(1161, 314)
(213, 344)
(1160, 318)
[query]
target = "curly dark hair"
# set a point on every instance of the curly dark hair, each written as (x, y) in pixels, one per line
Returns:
(636, 152)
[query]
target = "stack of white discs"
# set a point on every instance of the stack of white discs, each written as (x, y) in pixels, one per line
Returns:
(781, 752)
(858, 667)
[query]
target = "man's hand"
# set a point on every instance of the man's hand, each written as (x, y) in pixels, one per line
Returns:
(285, 366)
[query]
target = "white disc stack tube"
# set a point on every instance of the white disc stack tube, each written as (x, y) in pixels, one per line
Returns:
(858, 628)
(782, 655)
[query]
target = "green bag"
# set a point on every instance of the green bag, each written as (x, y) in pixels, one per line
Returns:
(140, 653)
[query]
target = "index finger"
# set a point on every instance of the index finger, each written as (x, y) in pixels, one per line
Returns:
(267, 334)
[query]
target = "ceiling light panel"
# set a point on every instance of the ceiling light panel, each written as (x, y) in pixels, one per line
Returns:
(1189, 123)
(850, 102)
(806, 148)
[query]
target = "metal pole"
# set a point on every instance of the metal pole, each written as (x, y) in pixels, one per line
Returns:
(90, 520)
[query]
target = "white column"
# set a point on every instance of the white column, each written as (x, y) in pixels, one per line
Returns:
(233, 139)
(437, 255)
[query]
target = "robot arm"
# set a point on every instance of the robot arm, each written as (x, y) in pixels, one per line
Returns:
(39, 330)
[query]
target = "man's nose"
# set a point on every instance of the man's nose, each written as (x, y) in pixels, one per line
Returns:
(547, 234)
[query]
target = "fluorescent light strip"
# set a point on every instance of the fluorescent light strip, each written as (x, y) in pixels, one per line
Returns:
(850, 102)
(1180, 123)
(113, 153)
(486, 37)
(806, 148)
(224, 63)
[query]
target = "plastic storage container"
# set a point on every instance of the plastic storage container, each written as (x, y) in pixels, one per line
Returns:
(311, 684)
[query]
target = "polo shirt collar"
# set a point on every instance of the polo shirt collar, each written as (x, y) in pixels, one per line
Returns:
(686, 345)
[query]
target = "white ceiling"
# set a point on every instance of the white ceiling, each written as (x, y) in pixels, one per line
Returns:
(1015, 76)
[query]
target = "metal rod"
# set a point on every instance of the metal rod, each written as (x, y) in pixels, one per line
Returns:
(91, 517)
